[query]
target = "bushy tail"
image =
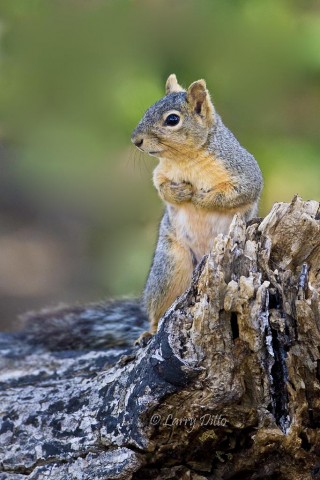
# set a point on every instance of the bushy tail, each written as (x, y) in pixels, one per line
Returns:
(93, 326)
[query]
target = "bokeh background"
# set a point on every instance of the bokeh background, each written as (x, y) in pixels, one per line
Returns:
(78, 213)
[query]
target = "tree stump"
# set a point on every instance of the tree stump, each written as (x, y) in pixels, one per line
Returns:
(229, 387)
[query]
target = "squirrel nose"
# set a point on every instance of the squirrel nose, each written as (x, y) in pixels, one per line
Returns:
(138, 142)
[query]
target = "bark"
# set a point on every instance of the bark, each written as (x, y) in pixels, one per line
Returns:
(227, 389)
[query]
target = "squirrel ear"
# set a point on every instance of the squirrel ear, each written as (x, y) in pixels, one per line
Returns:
(199, 99)
(172, 84)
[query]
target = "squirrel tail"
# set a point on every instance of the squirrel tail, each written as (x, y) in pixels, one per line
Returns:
(93, 326)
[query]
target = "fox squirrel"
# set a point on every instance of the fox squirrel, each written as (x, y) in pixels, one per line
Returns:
(204, 176)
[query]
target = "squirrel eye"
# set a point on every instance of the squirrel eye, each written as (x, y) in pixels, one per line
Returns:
(172, 120)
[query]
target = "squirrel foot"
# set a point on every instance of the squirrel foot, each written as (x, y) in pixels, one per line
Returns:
(143, 340)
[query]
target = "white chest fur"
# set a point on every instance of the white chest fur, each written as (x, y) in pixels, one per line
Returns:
(196, 228)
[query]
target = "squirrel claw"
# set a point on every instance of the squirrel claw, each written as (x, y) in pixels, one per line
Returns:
(143, 340)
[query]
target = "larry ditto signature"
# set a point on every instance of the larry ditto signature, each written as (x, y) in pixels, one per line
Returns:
(206, 420)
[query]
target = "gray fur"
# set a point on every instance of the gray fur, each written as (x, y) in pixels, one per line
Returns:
(173, 101)
(92, 326)
(241, 165)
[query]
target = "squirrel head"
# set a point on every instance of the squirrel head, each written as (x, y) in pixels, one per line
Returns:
(178, 124)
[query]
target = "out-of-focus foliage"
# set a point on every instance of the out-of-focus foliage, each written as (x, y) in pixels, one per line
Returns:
(78, 211)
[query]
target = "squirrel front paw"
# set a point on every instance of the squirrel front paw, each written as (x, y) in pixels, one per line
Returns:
(203, 197)
(173, 192)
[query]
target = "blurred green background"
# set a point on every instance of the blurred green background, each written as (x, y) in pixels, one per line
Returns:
(78, 213)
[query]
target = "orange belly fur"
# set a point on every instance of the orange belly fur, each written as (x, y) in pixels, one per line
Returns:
(203, 172)
(197, 228)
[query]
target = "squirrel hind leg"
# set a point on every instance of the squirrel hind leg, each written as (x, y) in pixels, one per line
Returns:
(169, 277)
(143, 339)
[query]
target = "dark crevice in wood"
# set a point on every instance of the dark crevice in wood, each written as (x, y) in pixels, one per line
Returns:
(305, 444)
(318, 370)
(234, 325)
(279, 375)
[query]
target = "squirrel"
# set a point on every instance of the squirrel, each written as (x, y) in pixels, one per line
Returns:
(204, 177)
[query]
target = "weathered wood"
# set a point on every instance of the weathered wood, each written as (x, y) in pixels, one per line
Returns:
(228, 388)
